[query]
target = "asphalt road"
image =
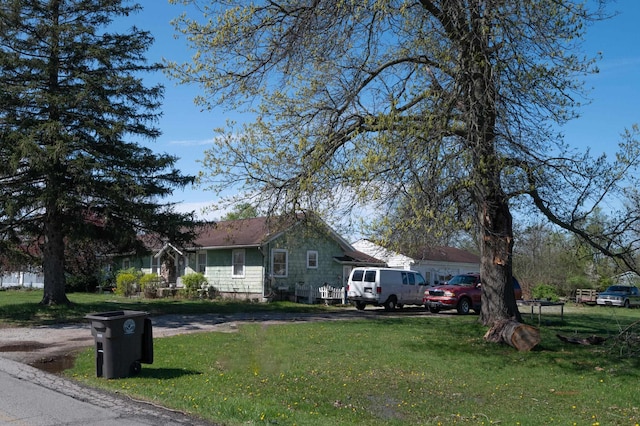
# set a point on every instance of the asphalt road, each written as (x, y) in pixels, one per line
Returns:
(31, 397)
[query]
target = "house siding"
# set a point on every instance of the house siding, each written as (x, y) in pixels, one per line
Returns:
(220, 267)
(298, 243)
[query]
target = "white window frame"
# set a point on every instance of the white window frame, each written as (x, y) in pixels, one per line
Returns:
(155, 265)
(312, 254)
(242, 264)
(275, 252)
(201, 267)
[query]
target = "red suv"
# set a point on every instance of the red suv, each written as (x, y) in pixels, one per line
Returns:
(462, 292)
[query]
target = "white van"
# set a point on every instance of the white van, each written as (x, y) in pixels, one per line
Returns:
(386, 287)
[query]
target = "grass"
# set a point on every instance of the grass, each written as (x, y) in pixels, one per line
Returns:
(390, 370)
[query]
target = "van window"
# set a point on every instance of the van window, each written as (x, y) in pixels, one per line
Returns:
(405, 278)
(412, 279)
(357, 275)
(420, 280)
(370, 276)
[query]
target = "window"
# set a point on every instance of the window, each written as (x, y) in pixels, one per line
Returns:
(279, 263)
(370, 276)
(126, 263)
(312, 259)
(202, 262)
(357, 275)
(238, 263)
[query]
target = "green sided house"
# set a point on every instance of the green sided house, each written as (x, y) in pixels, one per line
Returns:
(258, 259)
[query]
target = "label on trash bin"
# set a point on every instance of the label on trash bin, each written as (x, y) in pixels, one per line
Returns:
(129, 326)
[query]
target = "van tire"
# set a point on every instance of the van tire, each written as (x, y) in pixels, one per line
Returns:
(360, 306)
(390, 304)
(464, 306)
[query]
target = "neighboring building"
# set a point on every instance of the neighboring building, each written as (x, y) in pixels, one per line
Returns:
(255, 258)
(436, 264)
(26, 279)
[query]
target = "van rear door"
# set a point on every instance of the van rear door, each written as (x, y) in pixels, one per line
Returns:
(369, 286)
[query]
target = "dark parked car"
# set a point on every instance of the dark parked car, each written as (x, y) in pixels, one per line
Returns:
(619, 295)
(462, 292)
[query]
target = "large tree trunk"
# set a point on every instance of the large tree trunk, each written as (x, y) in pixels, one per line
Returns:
(498, 298)
(494, 221)
(53, 264)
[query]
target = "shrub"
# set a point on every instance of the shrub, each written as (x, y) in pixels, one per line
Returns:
(127, 282)
(149, 285)
(545, 292)
(193, 282)
(569, 287)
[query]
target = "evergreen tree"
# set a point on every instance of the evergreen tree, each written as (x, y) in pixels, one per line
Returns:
(72, 108)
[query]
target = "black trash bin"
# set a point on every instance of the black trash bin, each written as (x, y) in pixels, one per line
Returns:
(123, 340)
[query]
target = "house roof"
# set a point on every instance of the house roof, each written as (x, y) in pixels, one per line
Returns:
(253, 232)
(426, 253)
(444, 254)
(256, 232)
(359, 257)
(233, 233)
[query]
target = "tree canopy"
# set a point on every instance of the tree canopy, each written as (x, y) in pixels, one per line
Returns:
(73, 108)
(447, 109)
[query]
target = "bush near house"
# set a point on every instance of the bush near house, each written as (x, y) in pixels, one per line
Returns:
(193, 282)
(127, 282)
(149, 285)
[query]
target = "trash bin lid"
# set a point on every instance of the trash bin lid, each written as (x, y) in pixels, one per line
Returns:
(115, 315)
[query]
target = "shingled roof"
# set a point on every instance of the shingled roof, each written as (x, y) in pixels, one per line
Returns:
(444, 254)
(234, 233)
(252, 232)
(355, 256)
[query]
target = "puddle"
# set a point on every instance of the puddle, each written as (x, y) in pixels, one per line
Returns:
(51, 364)
(55, 365)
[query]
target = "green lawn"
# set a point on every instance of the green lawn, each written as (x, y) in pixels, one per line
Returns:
(392, 370)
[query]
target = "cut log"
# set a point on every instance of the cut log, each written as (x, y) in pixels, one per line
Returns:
(523, 337)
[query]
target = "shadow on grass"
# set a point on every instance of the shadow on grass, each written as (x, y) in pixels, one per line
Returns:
(166, 373)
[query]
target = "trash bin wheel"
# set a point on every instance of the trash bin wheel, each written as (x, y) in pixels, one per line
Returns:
(135, 368)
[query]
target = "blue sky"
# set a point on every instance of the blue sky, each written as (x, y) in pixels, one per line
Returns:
(615, 94)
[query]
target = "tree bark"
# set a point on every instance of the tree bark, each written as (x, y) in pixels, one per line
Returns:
(498, 298)
(53, 264)
(495, 223)
(523, 337)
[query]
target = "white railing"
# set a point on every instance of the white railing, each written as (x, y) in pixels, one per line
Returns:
(329, 293)
(308, 293)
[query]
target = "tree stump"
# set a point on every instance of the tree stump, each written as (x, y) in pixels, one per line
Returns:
(523, 337)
